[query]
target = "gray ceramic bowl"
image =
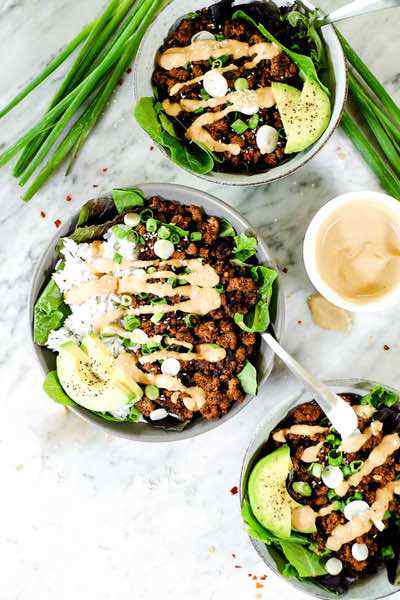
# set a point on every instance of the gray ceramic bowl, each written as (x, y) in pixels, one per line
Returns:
(141, 431)
(371, 588)
(338, 74)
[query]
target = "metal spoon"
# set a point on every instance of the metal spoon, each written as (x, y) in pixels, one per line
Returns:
(357, 8)
(339, 412)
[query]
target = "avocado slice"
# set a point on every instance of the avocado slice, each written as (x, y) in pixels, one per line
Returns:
(304, 121)
(269, 499)
(92, 384)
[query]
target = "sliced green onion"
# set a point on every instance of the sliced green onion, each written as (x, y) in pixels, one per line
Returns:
(204, 94)
(239, 126)
(117, 258)
(131, 322)
(331, 494)
(151, 270)
(316, 470)
(126, 300)
(332, 440)
(387, 552)
(346, 470)
(387, 514)
(335, 458)
(163, 233)
(152, 392)
(355, 496)
(174, 238)
(302, 487)
(189, 321)
(356, 465)
(151, 225)
(196, 236)
(145, 214)
(241, 84)
(253, 121)
(157, 317)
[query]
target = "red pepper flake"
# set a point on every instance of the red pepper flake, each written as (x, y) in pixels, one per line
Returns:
(95, 185)
(151, 147)
(234, 490)
(120, 82)
(249, 574)
(259, 585)
(284, 269)
(300, 322)
(42, 214)
(238, 567)
(129, 70)
(254, 577)
(263, 577)
(68, 198)
(57, 223)
(386, 347)
(233, 555)
(104, 169)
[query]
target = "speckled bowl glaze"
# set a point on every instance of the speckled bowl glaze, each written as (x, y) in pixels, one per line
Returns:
(371, 588)
(144, 66)
(141, 431)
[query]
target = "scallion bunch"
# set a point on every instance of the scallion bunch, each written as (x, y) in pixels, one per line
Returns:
(107, 48)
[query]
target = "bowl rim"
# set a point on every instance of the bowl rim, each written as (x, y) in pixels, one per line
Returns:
(166, 190)
(341, 382)
(309, 153)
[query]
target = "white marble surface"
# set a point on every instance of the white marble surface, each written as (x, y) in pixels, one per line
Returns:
(88, 516)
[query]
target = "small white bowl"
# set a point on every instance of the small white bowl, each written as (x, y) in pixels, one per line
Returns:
(309, 250)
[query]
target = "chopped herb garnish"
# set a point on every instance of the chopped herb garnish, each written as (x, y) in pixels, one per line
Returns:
(196, 236)
(163, 233)
(302, 487)
(117, 258)
(189, 321)
(152, 392)
(241, 84)
(151, 225)
(239, 126)
(131, 322)
(253, 121)
(379, 396)
(335, 458)
(204, 94)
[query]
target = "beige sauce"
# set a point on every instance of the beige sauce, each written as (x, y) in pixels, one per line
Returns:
(378, 456)
(303, 518)
(327, 510)
(360, 525)
(107, 318)
(201, 302)
(193, 397)
(303, 430)
(310, 454)
(356, 441)
(203, 352)
(364, 411)
(358, 251)
(327, 315)
(178, 86)
(174, 58)
(261, 98)
(98, 287)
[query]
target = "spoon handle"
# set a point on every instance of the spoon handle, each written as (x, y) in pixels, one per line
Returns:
(359, 7)
(325, 397)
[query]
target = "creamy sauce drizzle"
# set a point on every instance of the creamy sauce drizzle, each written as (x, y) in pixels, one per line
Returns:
(202, 50)
(193, 397)
(360, 525)
(178, 86)
(310, 454)
(364, 411)
(203, 352)
(356, 441)
(303, 430)
(203, 298)
(378, 456)
(261, 98)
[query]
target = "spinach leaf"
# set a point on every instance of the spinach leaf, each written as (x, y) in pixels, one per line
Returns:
(49, 313)
(309, 20)
(226, 229)
(92, 232)
(380, 396)
(146, 115)
(304, 63)
(195, 159)
(133, 416)
(96, 211)
(256, 320)
(166, 124)
(245, 247)
(126, 199)
(258, 532)
(54, 390)
(265, 278)
(306, 563)
(248, 378)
